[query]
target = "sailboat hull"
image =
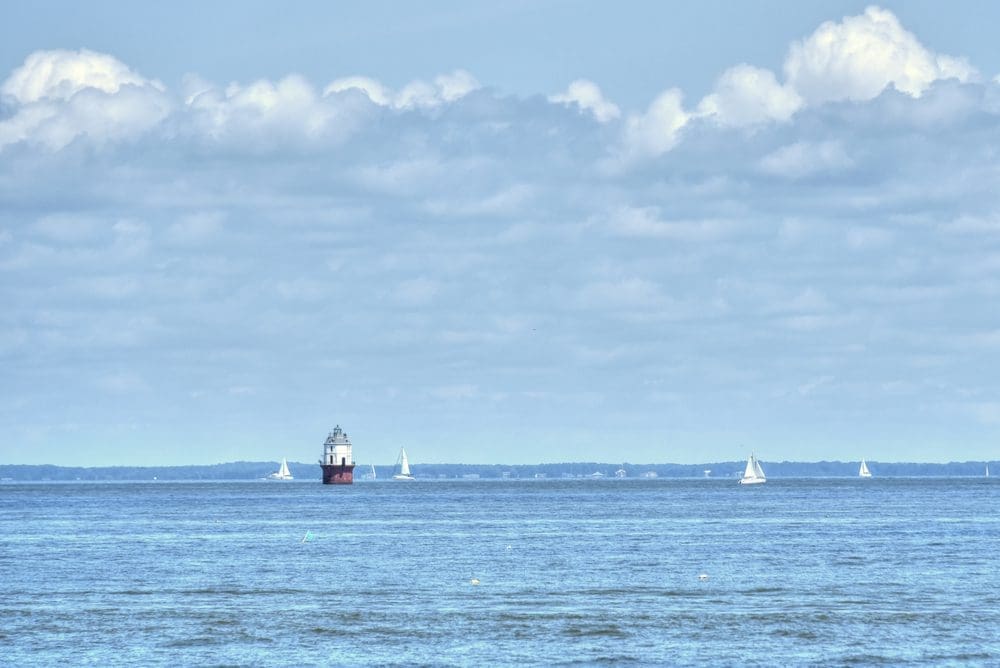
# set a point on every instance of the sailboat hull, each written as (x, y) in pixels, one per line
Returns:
(338, 474)
(752, 481)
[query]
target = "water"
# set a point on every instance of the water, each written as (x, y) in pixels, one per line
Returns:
(821, 572)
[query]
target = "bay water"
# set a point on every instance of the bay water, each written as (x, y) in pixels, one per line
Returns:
(546, 572)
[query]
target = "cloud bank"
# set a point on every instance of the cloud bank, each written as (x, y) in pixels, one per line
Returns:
(799, 261)
(58, 96)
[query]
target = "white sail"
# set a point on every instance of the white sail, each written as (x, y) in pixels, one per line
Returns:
(753, 474)
(282, 473)
(373, 472)
(404, 467)
(863, 471)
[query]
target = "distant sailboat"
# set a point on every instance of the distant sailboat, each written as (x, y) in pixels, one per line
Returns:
(404, 467)
(863, 472)
(754, 474)
(283, 473)
(373, 472)
(987, 470)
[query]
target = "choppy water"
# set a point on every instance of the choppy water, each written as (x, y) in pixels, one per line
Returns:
(825, 572)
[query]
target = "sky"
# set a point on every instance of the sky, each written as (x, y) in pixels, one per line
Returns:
(514, 233)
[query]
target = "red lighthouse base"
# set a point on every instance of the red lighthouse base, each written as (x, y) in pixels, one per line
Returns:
(338, 474)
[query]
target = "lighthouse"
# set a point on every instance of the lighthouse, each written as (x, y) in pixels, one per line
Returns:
(338, 460)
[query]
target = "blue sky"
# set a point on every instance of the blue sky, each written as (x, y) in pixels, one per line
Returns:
(529, 233)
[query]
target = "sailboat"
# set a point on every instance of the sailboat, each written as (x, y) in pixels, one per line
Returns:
(283, 473)
(753, 474)
(404, 467)
(863, 472)
(373, 472)
(987, 470)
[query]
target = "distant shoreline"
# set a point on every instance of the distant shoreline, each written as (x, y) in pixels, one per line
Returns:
(566, 470)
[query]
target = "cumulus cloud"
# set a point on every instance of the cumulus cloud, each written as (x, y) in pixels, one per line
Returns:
(859, 57)
(373, 88)
(59, 96)
(747, 95)
(62, 95)
(270, 111)
(59, 74)
(854, 59)
(658, 129)
(455, 85)
(587, 96)
(418, 94)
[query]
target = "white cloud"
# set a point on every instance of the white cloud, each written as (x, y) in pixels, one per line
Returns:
(58, 96)
(99, 116)
(374, 89)
(269, 111)
(587, 96)
(419, 94)
(62, 95)
(859, 57)
(59, 74)
(803, 159)
(455, 85)
(855, 59)
(657, 130)
(746, 95)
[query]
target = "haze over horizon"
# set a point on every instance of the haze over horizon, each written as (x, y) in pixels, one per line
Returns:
(522, 234)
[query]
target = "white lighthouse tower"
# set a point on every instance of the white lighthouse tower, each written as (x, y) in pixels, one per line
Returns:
(338, 459)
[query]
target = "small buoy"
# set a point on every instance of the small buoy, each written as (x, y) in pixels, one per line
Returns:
(474, 581)
(509, 547)
(703, 576)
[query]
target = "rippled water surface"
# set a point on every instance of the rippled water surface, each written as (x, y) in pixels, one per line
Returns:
(823, 572)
